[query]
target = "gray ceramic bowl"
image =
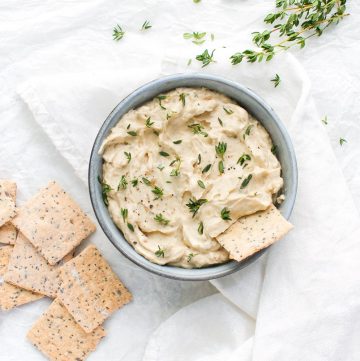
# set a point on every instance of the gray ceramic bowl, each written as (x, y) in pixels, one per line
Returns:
(243, 96)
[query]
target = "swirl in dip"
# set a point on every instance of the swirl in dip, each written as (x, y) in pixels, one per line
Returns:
(181, 169)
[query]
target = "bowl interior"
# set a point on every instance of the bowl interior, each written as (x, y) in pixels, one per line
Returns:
(244, 97)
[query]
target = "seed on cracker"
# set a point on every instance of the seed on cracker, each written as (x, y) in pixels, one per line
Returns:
(28, 269)
(7, 201)
(8, 233)
(12, 296)
(90, 290)
(252, 233)
(53, 223)
(60, 338)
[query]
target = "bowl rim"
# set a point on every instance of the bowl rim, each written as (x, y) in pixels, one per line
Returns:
(172, 272)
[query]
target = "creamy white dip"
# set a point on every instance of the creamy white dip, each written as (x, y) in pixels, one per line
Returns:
(165, 156)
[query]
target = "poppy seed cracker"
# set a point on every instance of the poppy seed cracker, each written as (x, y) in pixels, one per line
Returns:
(60, 338)
(252, 233)
(12, 296)
(28, 269)
(53, 223)
(7, 201)
(90, 290)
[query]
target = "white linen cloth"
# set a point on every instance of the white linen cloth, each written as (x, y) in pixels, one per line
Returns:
(302, 301)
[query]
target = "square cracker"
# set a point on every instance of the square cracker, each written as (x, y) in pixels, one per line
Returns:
(7, 201)
(12, 296)
(53, 223)
(28, 269)
(8, 234)
(252, 233)
(60, 338)
(90, 290)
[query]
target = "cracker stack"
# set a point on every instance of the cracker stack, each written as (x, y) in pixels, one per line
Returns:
(37, 261)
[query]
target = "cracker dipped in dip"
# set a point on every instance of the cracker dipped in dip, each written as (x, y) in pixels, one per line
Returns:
(181, 169)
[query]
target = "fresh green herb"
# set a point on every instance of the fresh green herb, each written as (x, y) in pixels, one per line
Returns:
(199, 159)
(274, 149)
(225, 214)
(196, 1)
(206, 168)
(325, 120)
(221, 167)
(123, 183)
(228, 111)
(128, 156)
(159, 192)
(146, 181)
(164, 154)
(246, 181)
(156, 132)
(160, 252)
(160, 219)
(146, 25)
(177, 141)
(160, 98)
(175, 172)
(294, 22)
(220, 151)
(201, 184)
(191, 255)
(206, 58)
(132, 133)
(134, 182)
(342, 141)
(220, 122)
(197, 129)
(131, 227)
(243, 159)
(124, 213)
(160, 167)
(105, 189)
(276, 80)
(194, 205)
(118, 33)
(247, 130)
(148, 122)
(182, 98)
(201, 228)
(198, 38)
(189, 62)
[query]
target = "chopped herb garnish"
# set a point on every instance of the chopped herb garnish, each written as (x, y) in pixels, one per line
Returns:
(128, 126)
(220, 122)
(131, 227)
(198, 37)
(228, 111)
(155, 132)
(123, 183)
(105, 189)
(134, 182)
(221, 167)
(246, 181)
(177, 141)
(128, 156)
(160, 167)
(243, 159)
(182, 98)
(199, 159)
(148, 122)
(325, 120)
(197, 129)
(118, 33)
(160, 252)
(146, 181)
(206, 168)
(146, 25)
(220, 151)
(164, 154)
(247, 130)
(276, 80)
(175, 172)
(225, 214)
(124, 213)
(160, 98)
(132, 133)
(201, 184)
(159, 192)
(160, 219)
(194, 205)
(201, 228)
(206, 58)
(342, 141)
(274, 149)
(196, 1)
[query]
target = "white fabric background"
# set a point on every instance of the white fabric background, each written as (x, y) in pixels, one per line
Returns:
(61, 74)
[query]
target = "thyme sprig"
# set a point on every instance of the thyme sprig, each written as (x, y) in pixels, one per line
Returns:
(160, 252)
(198, 38)
(220, 151)
(161, 219)
(276, 80)
(146, 25)
(294, 22)
(225, 214)
(197, 129)
(123, 183)
(105, 189)
(195, 204)
(148, 122)
(118, 32)
(159, 192)
(206, 58)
